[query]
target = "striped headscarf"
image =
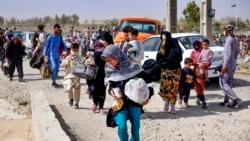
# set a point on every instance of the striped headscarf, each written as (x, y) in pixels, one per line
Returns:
(124, 69)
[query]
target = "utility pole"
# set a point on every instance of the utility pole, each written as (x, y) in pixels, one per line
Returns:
(171, 18)
(206, 16)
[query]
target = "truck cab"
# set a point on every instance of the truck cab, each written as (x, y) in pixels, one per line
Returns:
(146, 27)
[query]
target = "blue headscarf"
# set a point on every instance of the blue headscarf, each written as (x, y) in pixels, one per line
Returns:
(124, 69)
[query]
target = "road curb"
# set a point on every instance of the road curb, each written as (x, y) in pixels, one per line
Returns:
(46, 126)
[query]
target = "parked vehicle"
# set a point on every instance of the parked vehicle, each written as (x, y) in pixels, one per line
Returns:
(27, 36)
(17, 32)
(146, 27)
(151, 45)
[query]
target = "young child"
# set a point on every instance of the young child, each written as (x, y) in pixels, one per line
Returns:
(134, 48)
(71, 82)
(204, 59)
(245, 49)
(187, 76)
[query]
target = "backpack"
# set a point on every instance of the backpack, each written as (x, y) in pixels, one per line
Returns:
(34, 42)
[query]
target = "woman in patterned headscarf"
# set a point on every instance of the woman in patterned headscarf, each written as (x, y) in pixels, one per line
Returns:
(119, 70)
(169, 57)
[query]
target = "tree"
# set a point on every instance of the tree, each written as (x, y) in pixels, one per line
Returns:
(13, 21)
(63, 19)
(1, 20)
(75, 19)
(192, 12)
(47, 20)
(217, 26)
(192, 16)
(112, 22)
(57, 19)
(86, 22)
(247, 21)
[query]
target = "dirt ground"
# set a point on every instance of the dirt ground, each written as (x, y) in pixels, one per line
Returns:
(193, 124)
(15, 130)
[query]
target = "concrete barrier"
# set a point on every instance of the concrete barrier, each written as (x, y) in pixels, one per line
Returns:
(46, 126)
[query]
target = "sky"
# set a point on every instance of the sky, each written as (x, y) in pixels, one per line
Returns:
(108, 9)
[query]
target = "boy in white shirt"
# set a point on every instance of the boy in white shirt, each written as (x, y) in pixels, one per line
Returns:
(71, 82)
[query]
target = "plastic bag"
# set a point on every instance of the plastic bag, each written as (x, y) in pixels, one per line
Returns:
(45, 70)
(137, 90)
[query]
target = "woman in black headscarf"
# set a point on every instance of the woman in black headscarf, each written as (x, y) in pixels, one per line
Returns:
(96, 86)
(169, 57)
(199, 83)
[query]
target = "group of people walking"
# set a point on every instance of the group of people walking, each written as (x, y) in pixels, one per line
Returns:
(175, 82)
(120, 63)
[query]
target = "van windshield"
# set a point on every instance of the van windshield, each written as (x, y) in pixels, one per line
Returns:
(141, 26)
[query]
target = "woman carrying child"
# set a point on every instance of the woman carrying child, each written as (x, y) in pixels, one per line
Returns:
(119, 70)
(197, 58)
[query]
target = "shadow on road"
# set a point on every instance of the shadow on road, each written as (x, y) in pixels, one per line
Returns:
(64, 125)
(195, 111)
(209, 96)
(35, 79)
(214, 86)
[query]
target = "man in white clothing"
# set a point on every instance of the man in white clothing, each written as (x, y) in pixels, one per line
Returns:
(42, 36)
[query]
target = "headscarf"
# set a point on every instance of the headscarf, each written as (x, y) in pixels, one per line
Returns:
(105, 36)
(164, 49)
(197, 43)
(97, 45)
(124, 69)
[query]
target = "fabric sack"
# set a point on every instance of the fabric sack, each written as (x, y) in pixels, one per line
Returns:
(45, 70)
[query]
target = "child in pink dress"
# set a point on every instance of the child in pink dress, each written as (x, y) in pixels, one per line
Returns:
(204, 59)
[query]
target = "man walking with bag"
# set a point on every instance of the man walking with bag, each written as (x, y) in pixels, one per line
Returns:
(52, 54)
(228, 68)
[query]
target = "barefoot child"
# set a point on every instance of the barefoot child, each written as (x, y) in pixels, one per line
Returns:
(187, 76)
(71, 82)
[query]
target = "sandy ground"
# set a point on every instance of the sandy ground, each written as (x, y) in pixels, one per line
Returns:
(14, 126)
(194, 124)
